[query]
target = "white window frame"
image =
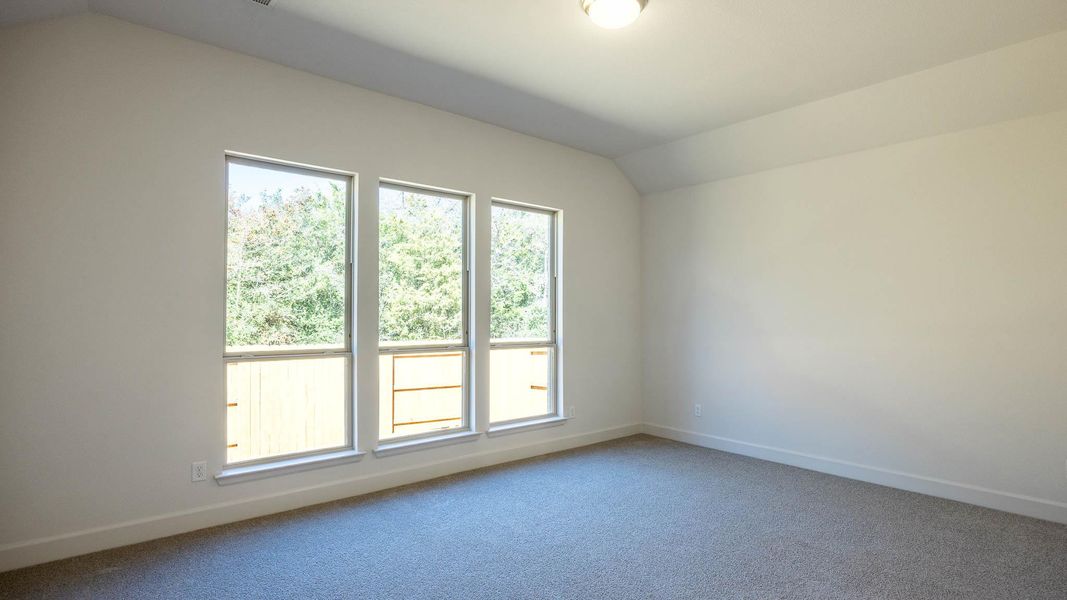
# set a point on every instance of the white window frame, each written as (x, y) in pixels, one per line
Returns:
(552, 342)
(325, 352)
(464, 345)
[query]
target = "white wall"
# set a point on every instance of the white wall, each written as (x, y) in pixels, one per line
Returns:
(111, 274)
(896, 314)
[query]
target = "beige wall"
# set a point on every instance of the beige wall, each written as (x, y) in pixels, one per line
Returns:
(897, 314)
(111, 274)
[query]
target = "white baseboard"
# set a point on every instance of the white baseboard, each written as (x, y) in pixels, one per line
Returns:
(1029, 506)
(40, 550)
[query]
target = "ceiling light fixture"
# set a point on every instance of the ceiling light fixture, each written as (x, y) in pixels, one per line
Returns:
(613, 14)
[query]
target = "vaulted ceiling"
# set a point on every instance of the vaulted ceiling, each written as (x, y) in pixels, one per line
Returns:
(541, 67)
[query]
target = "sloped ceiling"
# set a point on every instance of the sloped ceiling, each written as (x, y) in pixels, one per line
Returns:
(1012, 82)
(684, 68)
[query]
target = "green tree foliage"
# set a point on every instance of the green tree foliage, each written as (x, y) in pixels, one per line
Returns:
(520, 274)
(286, 268)
(420, 276)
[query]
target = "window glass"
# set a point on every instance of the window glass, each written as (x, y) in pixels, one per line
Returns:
(285, 260)
(420, 393)
(287, 350)
(421, 268)
(520, 383)
(522, 360)
(521, 275)
(276, 407)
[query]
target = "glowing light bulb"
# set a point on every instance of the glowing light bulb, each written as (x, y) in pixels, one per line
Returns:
(613, 14)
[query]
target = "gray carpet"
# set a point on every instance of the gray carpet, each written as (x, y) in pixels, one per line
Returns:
(633, 518)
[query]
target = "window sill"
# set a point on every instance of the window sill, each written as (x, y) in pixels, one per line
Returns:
(526, 425)
(405, 446)
(282, 467)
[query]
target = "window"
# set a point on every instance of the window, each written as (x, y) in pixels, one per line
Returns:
(288, 345)
(523, 345)
(422, 311)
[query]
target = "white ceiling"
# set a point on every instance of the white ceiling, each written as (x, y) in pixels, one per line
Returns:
(1013, 82)
(542, 68)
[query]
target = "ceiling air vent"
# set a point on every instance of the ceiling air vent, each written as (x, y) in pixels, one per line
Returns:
(263, 2)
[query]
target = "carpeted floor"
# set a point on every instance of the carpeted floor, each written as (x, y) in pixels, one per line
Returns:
(639, 517)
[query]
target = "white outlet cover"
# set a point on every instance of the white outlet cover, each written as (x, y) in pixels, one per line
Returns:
(199, 471)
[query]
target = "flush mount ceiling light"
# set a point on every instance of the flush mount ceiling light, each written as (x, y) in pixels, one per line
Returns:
(613, 14)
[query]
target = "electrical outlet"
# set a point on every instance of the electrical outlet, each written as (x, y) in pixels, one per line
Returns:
(200, 471)
(698, 410)
(570, 412)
